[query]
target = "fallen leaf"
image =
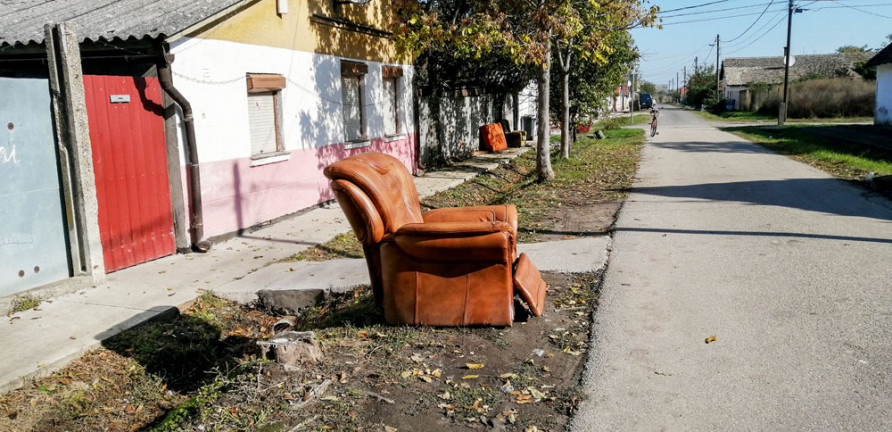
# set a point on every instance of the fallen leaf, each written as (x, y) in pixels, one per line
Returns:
(710, 339)
(474, 365)
(330, 398)
(426, 379)
(508, 375)
(416, 358)
(467, 377)
(390, 429)
(445, 396)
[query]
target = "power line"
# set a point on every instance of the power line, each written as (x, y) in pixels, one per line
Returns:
(719, 18)
(760, 37)
(714, 11)
(859, 10)
(756, 33)
(754, 23)
(698, 6)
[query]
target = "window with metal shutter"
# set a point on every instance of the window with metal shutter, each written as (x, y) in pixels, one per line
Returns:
(262, 123)
(352, 108)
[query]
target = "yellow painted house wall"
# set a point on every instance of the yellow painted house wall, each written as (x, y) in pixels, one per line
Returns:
(259, 24)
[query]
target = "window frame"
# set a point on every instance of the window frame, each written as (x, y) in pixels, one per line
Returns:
(357, 71)
(268, 84)
(394, 74)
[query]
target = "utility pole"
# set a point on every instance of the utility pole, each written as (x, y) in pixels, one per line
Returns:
(677, 89)
(717, 91)
(696, 68)
(782, 110)
(685, 81)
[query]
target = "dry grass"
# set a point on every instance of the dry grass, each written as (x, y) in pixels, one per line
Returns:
(826, 98)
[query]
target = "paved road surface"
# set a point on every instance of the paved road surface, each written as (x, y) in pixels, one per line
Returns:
(788, 268)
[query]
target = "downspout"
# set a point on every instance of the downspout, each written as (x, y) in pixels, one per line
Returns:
(416, 117)
(193, 174)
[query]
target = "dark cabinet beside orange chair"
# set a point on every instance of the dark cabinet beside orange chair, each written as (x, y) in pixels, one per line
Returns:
(446, 267)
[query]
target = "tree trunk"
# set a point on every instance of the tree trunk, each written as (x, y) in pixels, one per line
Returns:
(565, 112)
(543, 146)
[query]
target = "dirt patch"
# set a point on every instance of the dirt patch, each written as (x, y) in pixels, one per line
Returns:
(583, 220)
(373, 376)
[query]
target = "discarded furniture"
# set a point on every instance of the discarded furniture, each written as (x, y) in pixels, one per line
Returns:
(492, 138)
(513, 138)
(446, 267)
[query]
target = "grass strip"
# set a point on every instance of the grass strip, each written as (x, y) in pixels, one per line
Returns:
(842, 159)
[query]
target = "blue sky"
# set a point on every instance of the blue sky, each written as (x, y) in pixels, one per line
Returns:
(690, 26)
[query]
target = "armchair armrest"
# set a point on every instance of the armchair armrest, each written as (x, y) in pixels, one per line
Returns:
(501, 213)
(456, 241)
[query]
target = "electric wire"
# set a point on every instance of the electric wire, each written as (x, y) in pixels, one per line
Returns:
(753, 24)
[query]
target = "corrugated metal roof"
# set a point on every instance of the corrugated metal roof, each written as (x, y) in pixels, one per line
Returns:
(882, 57)
(22, 21)
(745, 70)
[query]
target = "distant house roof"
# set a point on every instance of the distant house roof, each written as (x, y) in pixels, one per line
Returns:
(741, 71)
(882, 57)
(22, 21)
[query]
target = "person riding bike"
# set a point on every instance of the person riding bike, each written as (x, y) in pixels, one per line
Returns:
(653, 120)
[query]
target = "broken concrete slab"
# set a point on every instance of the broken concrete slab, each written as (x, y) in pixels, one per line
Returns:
(579, 255)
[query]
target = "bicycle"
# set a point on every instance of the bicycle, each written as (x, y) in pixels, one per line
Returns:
(653, 122)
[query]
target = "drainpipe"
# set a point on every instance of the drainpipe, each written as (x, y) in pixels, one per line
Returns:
(416, 117)
(193, 174)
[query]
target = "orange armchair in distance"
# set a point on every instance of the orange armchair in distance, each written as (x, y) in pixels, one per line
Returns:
(446, 267)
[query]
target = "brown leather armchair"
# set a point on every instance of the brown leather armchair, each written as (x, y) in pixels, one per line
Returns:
(446, 267)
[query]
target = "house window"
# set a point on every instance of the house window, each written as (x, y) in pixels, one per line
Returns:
(265, 114)
(390, 104)
(352, 77)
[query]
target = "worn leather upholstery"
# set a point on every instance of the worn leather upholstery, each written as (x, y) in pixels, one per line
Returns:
(492, 138)
(447, 267)
(512, 138)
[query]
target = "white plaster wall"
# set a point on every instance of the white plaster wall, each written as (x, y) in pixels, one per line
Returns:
(883, 111)
(211, 74)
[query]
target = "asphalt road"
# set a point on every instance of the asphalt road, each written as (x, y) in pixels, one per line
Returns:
(789, 269)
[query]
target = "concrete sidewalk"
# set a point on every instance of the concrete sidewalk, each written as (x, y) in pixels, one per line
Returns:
(38, 342)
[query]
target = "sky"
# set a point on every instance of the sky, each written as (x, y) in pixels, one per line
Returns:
(691, 26)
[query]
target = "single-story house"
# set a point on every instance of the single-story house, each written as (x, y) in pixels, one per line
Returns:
(205, 118)
(739, 72)
(172, 123)
(883, 62)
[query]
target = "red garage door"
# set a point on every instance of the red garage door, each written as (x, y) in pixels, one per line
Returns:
(130, 164)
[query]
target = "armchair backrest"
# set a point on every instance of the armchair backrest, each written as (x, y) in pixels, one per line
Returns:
(377, 194)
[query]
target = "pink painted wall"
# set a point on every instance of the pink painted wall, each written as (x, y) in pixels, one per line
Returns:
(236, 195)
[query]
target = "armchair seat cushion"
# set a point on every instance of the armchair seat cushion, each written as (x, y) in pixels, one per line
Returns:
(456, 241)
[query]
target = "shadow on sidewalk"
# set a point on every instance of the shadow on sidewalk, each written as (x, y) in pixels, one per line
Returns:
(757, 234)
(816, 195)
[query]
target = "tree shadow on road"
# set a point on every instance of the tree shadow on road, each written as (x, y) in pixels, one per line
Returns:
(829, 196)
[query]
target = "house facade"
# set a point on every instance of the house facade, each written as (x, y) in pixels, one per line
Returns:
(202, 119)
(738, 73)
(280, 95)
(883, 62)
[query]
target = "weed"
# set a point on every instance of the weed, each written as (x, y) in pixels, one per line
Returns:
(25, 302)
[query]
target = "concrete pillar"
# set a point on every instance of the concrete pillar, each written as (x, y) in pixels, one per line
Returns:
(70, 110)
